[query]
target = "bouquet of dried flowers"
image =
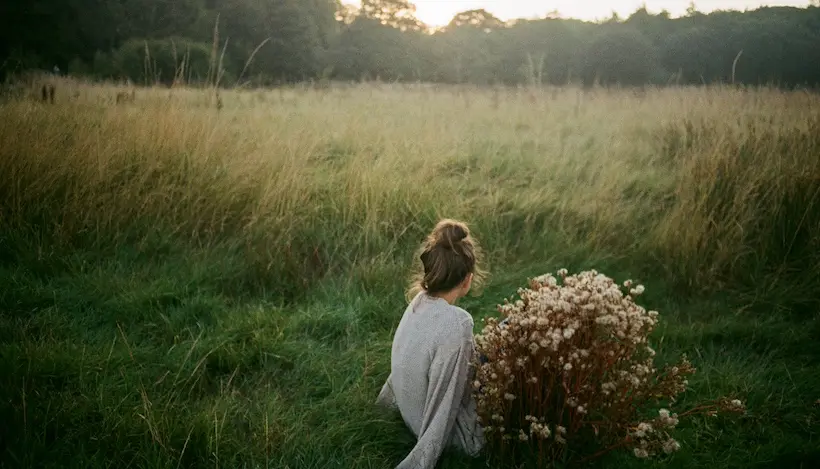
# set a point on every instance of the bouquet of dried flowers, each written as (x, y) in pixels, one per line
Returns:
(571, 362)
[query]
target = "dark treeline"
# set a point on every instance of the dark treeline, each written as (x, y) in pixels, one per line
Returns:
(274, 41)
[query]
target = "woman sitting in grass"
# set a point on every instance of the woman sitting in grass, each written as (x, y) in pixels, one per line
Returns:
(432, 350)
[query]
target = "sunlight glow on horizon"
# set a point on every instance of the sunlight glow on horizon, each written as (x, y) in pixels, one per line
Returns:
(440, 12)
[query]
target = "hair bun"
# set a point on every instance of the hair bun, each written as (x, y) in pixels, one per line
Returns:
(448, 233)
(448, 256)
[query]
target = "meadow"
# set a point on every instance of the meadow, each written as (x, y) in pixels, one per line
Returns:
(186, 284)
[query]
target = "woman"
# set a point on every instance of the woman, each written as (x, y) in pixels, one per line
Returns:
(432, 350)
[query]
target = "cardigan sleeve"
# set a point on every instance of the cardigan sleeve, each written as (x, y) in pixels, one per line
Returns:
(387, 398)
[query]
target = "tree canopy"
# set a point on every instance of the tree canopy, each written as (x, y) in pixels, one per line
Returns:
(275, 41)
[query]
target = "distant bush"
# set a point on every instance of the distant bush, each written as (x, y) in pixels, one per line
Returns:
(79, 68)
(623, 57)
(103, 66)
(162, 61)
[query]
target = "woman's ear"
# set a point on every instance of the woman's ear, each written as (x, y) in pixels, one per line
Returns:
(468, 282)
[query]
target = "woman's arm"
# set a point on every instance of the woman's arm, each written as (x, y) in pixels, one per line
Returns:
(387, 397)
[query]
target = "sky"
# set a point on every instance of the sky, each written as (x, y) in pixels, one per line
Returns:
(440, 12)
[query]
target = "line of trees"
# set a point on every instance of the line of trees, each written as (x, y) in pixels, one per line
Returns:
(273, 41)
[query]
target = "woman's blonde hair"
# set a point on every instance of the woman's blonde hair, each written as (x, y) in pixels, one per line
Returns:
(448, 256)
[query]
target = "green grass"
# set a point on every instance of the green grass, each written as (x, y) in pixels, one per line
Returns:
(145, 366)
(185, 289)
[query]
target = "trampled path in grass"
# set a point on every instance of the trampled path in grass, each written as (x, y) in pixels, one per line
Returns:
(181, 287)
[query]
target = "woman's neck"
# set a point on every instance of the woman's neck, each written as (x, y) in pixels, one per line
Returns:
(450, 297)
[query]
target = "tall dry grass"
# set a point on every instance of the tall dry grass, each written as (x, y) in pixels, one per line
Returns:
(711, 186)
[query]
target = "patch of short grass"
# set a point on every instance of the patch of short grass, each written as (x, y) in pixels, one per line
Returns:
(207, 380)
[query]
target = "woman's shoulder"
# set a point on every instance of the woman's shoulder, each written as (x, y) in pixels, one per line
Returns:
(456, 322)
(455, 316)
(463, 315)
(444, 311)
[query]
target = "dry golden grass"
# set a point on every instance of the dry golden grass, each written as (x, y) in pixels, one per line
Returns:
(695, 178)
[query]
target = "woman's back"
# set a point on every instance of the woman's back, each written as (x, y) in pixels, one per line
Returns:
(430, 333)
(430, 376)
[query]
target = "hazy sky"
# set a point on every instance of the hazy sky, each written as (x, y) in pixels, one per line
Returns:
(440, 12)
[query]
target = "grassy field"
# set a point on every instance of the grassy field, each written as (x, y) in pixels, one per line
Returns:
(182, 286)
